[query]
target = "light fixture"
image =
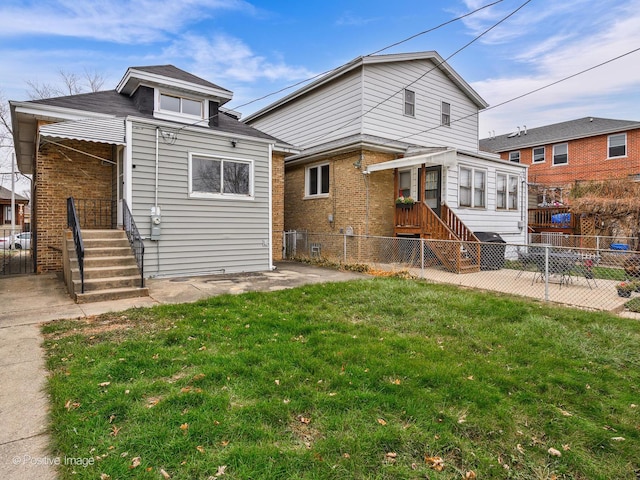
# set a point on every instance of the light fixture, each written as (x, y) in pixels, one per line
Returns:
(234, 142)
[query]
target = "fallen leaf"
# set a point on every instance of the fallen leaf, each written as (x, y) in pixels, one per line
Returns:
(346, 455)
(618, 439)
(104, 476)
(200, 448)
(565, 413)
(115, 430)
(611, 429)
(633, 405)
(135, 462)
(519, 448)
(220, 471)
(152, 402)
(390, 457)
(470, 377)
(437, 463)
(224, 443)
(470, 475)
(381, 421)
(202, 348)
(463, 418)
(566, 447)
(104, 384)
(185, 389)
(554, 453)
(304, 420)
(277, 382)
(112, 418)
(69, 405)
(197, 377)
(164, 473)
(184, 427)
(396, 381)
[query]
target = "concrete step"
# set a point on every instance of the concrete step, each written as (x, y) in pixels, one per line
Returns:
(108, 271)
(110, 294)
(105, 242)
(116, 261)
(106, 283)
(91, 234)
(107, 251)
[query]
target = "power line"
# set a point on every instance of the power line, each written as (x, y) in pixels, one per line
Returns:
(336, 68)
(359, 117)
(568, 77)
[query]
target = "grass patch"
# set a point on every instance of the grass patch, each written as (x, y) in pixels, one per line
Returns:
(358, 380)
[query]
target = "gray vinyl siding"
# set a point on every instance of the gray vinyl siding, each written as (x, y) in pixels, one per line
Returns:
(489, 219)
(320, 116)
(387, 120)
(199, 235)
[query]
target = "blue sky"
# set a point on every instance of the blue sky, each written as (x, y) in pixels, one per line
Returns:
(254, 48)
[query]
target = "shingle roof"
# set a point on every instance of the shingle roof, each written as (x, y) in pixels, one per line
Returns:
(558, 132)
(113, 103)
(5, 194)
(174, 72)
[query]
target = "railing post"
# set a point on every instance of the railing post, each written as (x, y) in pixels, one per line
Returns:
(598, 244)
(422, 257)
(344, 248)
(546, 273)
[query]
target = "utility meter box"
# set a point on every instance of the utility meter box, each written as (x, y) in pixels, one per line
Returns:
(156, 222)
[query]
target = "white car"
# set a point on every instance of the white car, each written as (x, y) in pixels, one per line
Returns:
(20, 240)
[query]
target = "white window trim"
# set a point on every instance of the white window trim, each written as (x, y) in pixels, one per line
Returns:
(178, 116)
(473, 179)
(508, 177)
(544, 157)
(221, 196)
(514, 151)
(307, 195)
(404, 104)
(442, 104)
(626, 146)
(553, 155)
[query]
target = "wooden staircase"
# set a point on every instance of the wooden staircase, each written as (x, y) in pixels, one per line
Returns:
(460, 253)
(110, 269)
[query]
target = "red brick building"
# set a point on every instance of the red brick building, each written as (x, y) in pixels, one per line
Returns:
(562, 154)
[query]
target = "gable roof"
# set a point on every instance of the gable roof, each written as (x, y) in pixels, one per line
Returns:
(557, 132)
(170, 71)
(5, 194)
(370, 60)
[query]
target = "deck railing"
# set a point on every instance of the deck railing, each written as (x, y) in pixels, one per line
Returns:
(135, 240)
(74, 224)
(554, 217)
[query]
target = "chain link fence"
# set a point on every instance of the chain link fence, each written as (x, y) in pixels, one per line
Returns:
(596, 242)
(593, 278)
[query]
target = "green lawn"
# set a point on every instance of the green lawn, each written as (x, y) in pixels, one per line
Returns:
(374, 379)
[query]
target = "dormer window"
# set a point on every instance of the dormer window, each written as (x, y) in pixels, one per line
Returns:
(181, 105)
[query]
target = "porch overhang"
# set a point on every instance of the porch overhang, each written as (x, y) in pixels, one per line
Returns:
(98, 130)
(447, 158)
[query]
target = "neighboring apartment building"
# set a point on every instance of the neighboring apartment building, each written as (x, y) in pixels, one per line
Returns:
(559, 155)
(385, 126)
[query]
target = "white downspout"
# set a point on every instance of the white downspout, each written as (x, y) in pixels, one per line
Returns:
(157, 162)
(271, 265)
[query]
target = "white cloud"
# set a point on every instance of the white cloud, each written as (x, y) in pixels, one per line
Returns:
(348, 19)
(227, 58)
(576, 43)
(120, 21)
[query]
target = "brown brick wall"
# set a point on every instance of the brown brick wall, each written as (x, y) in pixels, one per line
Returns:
(62, 173)
(347, 200)
(587, 161)
(277, 204)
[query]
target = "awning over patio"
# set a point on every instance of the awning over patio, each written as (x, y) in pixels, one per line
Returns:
(99, 130)
(448, 158)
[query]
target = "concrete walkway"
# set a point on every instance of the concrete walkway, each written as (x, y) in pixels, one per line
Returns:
(28, 301)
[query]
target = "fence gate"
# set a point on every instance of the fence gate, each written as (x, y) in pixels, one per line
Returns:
(15, 252)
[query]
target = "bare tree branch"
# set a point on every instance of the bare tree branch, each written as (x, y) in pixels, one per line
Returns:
(94, 80)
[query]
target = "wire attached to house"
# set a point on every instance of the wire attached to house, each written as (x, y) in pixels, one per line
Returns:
(314, 77)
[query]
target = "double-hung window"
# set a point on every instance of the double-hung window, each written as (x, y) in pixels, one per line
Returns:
(409, 103)
(445, 114)
(561, 154)
(506, 192)
(213, 176)
(317, 181)
(514, 156)
(617, 145)
(472, 187)
(537, 155)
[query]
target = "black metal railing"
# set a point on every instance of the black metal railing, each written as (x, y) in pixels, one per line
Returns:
(96, 213)
(135, 240)
(74, 224)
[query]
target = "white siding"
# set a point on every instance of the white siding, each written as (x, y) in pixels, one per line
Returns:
(388, 120)
(489, 219)
(319, 117)
(199, 235)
